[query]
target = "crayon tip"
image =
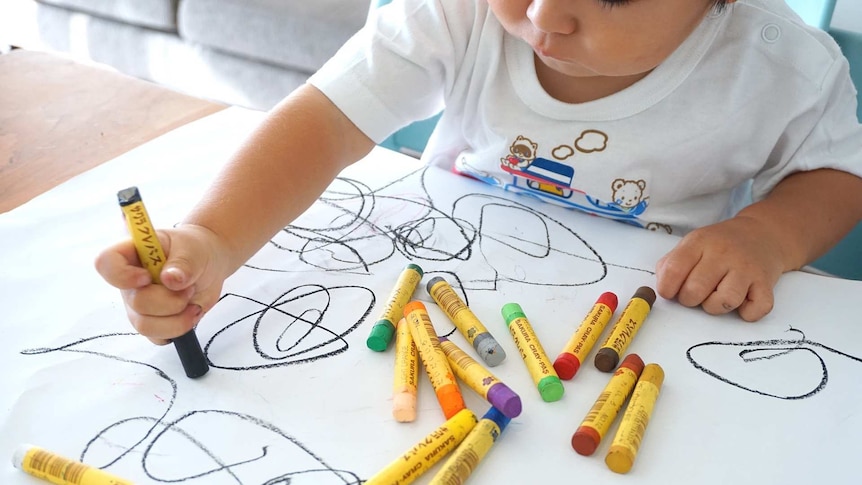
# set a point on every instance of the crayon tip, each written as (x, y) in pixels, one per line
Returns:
(567, 366)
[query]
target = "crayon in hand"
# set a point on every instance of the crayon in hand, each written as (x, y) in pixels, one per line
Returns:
(153, 258)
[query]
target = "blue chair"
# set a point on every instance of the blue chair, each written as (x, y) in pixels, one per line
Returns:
(814, 12)
(845, 259)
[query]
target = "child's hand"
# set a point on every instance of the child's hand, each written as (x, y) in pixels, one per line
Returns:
(192, 280)
(732, 265)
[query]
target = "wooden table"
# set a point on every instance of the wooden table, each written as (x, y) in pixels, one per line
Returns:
(59, 118)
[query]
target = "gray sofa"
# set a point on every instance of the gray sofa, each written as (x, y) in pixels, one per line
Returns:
(244, 52)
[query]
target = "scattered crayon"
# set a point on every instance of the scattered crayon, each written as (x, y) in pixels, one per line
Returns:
(436, 364)
(625, 328)
(60, 470)
(624, 447)
(472, 450)
(466, 322)
(579, 346)
(405, 382)
(541, 370)
(384, 328)
(607, 406)
(481, 380)
(428, 451)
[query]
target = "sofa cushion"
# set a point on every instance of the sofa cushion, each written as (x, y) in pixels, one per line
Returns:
(299, 34)
(157, 14)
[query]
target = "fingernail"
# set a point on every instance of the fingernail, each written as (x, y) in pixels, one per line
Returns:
(175, 274)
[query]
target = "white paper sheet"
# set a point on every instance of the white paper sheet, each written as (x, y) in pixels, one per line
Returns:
(295, 396)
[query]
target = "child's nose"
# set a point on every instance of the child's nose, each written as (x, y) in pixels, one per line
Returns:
(553, 16)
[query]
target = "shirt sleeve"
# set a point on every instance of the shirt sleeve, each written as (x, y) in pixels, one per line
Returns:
(830, 134)
(397, 69)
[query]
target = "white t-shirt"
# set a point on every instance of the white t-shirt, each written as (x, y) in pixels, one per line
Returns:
(753, 93)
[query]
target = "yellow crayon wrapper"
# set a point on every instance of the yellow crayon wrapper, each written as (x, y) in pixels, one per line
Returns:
(432, 356)
(585, 337)
(147, 244)
(427, 452)
(458, 467)
(625, 329)
(60, 470)
(467, 369)
(384, 328)
(533, 354)
(401, 293)
(466, 322)
(405, 383)
(464, 319)
(607, 406)
(626, 443)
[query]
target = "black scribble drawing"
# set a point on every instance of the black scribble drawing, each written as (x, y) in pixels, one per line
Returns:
(199, 447)
(716, 359)
(479, 242)
(302, 325)
(355, 227)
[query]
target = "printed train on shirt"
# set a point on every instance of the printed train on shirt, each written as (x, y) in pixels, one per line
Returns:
(528, 169)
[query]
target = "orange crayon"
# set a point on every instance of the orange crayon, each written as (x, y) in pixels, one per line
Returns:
(436, 364)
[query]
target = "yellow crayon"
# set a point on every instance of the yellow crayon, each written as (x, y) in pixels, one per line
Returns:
(405, 383)
(147, 244)
(153, 258)
(384, 329)
(470, 452)
(624, 448)
(609, 403)
(585, 337)
(445, 387)
(541, 370)
(466, 322)
(624, 330)
(428, 451)
(59, 470)
(481, 380)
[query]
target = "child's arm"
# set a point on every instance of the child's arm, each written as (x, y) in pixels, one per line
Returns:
(735, 264)
(280, 170)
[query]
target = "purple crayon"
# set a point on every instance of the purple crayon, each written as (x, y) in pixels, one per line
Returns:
(481, 380)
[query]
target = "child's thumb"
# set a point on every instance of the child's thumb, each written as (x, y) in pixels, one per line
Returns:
(181, 271)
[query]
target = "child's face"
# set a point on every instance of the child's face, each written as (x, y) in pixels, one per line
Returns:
(588, 38)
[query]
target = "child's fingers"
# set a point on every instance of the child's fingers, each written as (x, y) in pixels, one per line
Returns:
(728, 295)
(701, 282)
(156, 300)
(120, 267)
(672, 271)
(759, 302)
(185, 264)
(159, 329)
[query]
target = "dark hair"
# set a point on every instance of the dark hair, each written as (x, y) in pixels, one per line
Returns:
(720, 4)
